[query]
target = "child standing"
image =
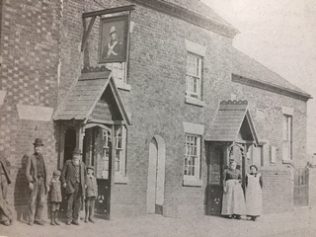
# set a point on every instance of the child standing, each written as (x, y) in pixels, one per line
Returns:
(55, 197)
(91, 193)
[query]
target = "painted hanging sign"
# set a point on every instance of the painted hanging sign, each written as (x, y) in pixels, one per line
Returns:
(113, 39)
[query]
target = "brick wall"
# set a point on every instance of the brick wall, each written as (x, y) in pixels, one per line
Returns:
(266, 111)
(278, 187)
(29, 41)
(41, 59)
(157, 77)
(312, 187)
(156, 100)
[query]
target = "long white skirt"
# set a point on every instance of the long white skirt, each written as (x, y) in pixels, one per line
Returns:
(254, 196)
(233, 199)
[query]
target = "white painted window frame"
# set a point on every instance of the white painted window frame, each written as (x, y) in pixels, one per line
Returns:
(273, 155)
(197, 131)
(120, 175)
(287, 134)
(198, 51)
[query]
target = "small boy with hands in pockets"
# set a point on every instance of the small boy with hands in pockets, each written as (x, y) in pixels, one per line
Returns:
(91, 194)
(55, 196)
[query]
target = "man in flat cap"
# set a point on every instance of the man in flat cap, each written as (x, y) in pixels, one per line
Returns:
(73, 180)
(5, 212)
(36, 175)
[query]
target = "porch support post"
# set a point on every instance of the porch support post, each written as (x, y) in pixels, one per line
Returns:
(111, 166)
(80, 132)
(61, 145)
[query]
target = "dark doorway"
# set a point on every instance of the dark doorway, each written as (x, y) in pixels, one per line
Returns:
(97, 152)
(70, 143)
(214, 188)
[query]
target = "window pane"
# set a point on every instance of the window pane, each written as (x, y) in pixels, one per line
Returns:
(120, 145)
(193, 77)
(287, 137)
(192, 65)
(192, 156)
(118, 160)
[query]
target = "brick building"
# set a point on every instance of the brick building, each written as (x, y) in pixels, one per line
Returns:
(157, 125)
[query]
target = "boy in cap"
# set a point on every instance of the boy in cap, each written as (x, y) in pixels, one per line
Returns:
(55, 196)
(91, 193)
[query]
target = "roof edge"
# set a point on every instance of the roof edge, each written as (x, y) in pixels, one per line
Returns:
(270, 87)
(189, 16)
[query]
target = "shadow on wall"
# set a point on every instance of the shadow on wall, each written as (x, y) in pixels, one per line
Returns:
(21, 192)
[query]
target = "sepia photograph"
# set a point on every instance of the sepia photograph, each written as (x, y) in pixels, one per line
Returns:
(157, 118)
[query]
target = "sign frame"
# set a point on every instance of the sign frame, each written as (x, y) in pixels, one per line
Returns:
(121, 26)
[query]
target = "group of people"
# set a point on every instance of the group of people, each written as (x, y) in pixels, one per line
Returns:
(77, 180)
(235, 204)
(80, 184)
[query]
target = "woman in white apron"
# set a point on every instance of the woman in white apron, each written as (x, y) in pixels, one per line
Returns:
(254, 193)
(233, 204)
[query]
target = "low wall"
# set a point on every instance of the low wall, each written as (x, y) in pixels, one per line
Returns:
(278, 186)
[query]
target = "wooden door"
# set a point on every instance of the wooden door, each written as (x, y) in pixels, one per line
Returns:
(214, 189)
(156, 176)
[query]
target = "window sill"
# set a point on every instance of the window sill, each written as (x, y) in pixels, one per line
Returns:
(194, 101)
(119, 179)
(122, 85)
(192, 182)
(289, 162)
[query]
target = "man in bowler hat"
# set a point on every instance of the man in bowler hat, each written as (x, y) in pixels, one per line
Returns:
(73, 180)
(36, 174)
(5, 180)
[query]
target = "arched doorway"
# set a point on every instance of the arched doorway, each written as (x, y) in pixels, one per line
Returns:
(156, 175)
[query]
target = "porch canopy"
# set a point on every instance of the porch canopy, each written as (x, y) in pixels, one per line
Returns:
(94, 97)
(233, 123)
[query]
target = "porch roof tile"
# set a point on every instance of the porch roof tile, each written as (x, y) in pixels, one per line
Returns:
(228, 121)
(83, 96)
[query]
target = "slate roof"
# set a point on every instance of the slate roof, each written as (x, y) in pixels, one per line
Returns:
(201, 8)
(228, 121)
(82, 97)
(248, 67)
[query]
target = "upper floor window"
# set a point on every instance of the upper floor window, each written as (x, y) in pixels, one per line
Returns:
(194, 75)
(287, 136)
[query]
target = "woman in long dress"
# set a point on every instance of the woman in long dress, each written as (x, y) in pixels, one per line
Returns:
(254, 193)
(233, 204)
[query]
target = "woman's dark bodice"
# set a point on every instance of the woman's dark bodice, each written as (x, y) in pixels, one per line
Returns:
(232, 174)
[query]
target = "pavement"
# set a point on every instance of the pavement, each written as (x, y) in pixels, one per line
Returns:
(299, 223)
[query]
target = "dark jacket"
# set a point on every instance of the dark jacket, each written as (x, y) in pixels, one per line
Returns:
(31, 170)
(5, 165)
(68, 176)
